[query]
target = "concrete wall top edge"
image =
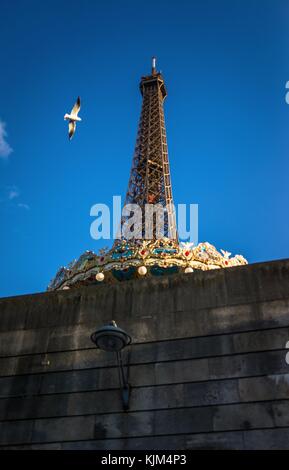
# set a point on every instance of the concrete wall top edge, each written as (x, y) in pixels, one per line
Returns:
(216, 293)
(197, 276)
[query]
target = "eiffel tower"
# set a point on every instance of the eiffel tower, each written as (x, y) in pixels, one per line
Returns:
(150, 181)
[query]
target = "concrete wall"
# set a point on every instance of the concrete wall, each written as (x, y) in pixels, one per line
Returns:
(207, 364)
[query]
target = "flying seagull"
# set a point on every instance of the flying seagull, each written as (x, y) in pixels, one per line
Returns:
(72, 118)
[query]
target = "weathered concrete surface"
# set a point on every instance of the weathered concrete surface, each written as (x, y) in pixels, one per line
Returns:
(207, 364)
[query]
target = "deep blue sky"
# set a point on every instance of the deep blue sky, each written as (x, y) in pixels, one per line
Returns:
(225, 64)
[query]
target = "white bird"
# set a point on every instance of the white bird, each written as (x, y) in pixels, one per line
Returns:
(72, 118)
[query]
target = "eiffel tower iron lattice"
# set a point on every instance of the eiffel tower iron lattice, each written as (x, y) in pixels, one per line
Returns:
(150, 180)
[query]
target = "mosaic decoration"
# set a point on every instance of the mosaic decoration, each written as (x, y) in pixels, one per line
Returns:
(137, 259)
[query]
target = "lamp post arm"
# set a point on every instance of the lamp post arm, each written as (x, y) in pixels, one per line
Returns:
(124, 385)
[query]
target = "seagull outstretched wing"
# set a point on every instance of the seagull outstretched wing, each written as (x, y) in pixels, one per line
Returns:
(76, 108)
(71, 129)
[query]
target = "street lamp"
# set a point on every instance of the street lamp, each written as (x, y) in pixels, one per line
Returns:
(111, 338)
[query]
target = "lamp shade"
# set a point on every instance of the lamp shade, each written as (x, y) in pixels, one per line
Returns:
(110, 338)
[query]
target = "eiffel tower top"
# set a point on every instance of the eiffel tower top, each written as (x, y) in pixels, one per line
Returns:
(147, 253)
(153, 78)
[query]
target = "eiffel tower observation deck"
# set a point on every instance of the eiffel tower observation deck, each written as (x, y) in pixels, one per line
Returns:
(147, 245)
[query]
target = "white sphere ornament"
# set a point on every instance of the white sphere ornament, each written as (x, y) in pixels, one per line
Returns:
(99, 277)
(142, 270)
(189, 270)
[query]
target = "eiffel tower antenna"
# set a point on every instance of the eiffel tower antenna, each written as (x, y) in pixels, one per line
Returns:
(154, 61)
